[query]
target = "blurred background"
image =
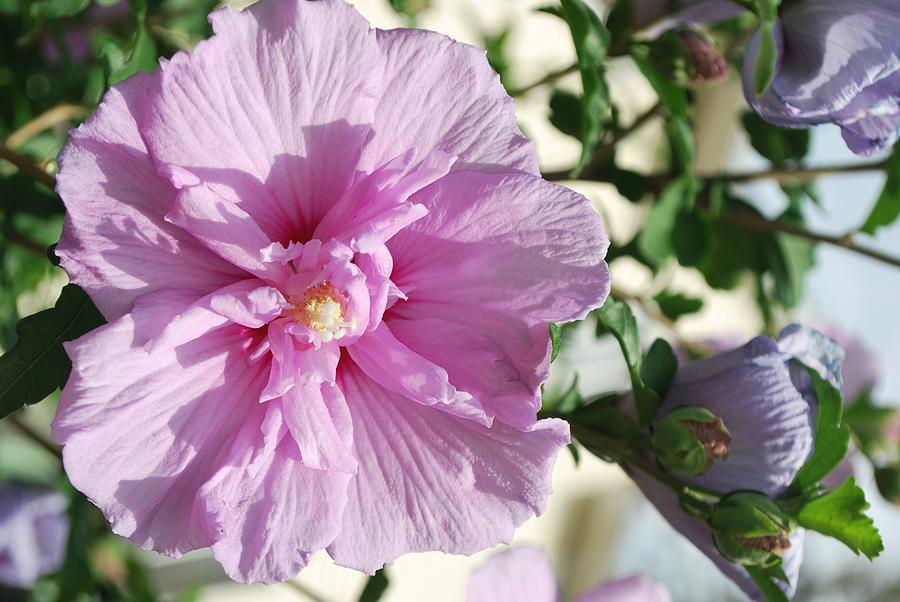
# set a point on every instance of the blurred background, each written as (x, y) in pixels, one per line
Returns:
(597, 525)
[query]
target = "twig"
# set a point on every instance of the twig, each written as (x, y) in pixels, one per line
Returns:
(787, 176)
(24, 242)
(303, 590)
(751, 221)
(547, 79)
(28, 167)
(50, 118)
(29, 433)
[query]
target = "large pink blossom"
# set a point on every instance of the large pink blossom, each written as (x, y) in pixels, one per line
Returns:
(328, 261)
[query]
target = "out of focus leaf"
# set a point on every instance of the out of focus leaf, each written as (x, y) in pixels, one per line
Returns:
(37, 364)
(52, 9)
(767, 55)
(690, 238)
(565, 112)
(671, 95)
(630, 184)
(604, 416)
(495, 45)
(675, 305)
(375, 587)
(410, 8)
(143, 54)
(656, 240)
(887, 207)
(681, 139)
(778, 145)
(555, 340)
(841, 514)
(592, 41)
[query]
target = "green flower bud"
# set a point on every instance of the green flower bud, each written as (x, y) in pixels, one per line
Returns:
(690, 440)
(750, 529)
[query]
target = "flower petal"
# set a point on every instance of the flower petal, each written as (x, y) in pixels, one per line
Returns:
(395, 367)
(115, 243)
(142, 430)
(510, 242)
(295, 88)
(269, 509)
(496, 357)
(431, 481)
(319, 421)
(637, 588)
(517, 574)
(428, 74)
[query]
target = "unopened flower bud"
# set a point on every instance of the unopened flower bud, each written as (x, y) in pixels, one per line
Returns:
(708, 63)
(750, 529)
(690, 440)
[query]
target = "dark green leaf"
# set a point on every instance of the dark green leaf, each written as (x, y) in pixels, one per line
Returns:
(630, 184)
(605, 417)
(54, 9)
(681, 139)
(832, 435)
(37, 364)
(671, 95)
(841, 514)
(659, 367)
(656, 240)
(778, 145)
(675, 305)
(555, 340)
(887, 207)
(565, 403)
(565, 112)
(375, 587)
(690, 238)
(591, 40)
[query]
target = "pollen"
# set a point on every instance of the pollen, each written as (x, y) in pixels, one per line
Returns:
(321, 308)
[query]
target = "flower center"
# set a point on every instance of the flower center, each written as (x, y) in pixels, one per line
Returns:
(321, 308)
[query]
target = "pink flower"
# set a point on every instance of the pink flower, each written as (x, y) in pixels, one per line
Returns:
(524, 574)
(328, 261)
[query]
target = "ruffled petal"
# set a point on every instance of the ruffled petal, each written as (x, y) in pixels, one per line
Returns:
(319, 421)
(295, 89)
(115, 243)
(397, 368)
(270, 511)
(143, 430)
(497, 358)
(509, 242)
(430, 481)
(428, 75)
(518, 574)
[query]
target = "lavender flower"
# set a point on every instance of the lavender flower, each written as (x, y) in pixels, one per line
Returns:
(524, 574)
(765, 401)
(33, 531)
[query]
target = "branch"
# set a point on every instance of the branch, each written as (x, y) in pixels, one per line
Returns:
(28, 167)
(29, 433)
(23, 241)
(751, 221)
(50, 118)
(788, 176)
(547, 79)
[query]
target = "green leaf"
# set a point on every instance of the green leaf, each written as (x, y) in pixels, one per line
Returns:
(617, 317)
(497, 56)
(54, 9)
(143, 53)
(778, 145)
(764, 72)
(832, 435)
(375, 587)
(887, 207)
(37, 364)
(675, 305)
(605, 417)
(671, 95)
(681, 139)
(656, 240)
(630, 184)
(592, 41)
(659, 367)
(690, 238)
(555, 340)
(766, 584)
(841, 514)
(565, 403)
(565, 112)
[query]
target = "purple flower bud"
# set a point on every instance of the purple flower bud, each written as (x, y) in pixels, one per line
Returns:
(33, 533)
(764, 400)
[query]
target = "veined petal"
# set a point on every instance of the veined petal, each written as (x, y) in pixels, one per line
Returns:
(636, 588)
(428, 480)
(319, 421)
(395, 367)
(295, 89)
